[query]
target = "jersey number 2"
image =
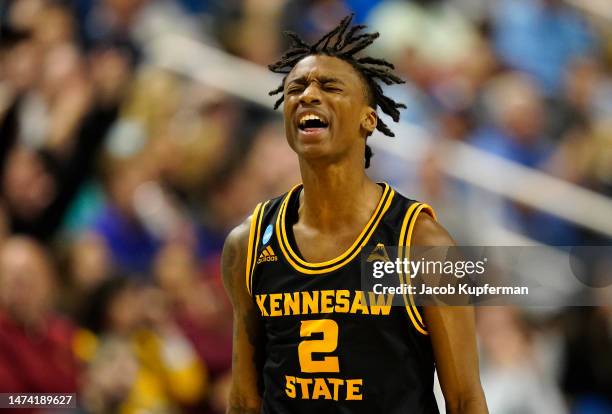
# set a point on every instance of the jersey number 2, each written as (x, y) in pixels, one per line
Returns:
(329, 343)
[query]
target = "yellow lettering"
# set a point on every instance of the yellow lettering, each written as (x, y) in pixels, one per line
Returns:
(324, 302)
(336, 382)
(260, 302)
(327, 297)
(275, 299)
(304, 382)
(310, 302)
(342, 301)
(380, 303)
(359, 304)
(320, 389)
(353, 389)
(292, 303)
(290, 386)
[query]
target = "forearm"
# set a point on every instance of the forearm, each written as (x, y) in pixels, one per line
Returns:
(453, 337)
(244, 396)
(243, 405)
(475, 404)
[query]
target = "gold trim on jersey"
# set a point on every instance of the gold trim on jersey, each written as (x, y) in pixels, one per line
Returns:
(254, 232)
(405, 240)
(330, 265)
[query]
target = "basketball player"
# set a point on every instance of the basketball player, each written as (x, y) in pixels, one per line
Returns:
(306, 338)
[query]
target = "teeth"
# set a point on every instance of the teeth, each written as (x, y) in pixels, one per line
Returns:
(308, 117)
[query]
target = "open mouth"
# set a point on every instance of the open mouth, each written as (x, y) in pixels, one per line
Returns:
(312, 123)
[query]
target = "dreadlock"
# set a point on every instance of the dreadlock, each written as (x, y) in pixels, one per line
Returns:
(345, 44)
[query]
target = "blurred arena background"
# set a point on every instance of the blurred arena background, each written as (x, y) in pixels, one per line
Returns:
(134, 134)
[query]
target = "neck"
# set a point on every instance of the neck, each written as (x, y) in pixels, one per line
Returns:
(335, 195)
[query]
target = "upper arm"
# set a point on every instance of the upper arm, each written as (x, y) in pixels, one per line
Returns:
(453, 336)
(244, 394)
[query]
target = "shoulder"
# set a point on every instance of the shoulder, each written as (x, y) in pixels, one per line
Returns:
(233, 261)
(239, 246)
(428, 232)
(238, 237)
(420, 223)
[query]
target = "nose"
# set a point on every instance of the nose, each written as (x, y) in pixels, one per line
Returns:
(311, 95)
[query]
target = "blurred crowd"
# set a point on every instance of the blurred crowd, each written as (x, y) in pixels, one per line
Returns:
(119, 181)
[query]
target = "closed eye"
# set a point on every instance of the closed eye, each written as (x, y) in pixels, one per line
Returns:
(294, 89)
(332, 89)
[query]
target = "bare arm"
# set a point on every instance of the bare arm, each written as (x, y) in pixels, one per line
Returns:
(453, 337)
(244, 394)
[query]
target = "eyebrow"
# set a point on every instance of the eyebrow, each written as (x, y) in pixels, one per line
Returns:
(303, 80)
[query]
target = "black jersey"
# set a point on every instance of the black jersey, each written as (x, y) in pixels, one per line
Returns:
(329, 346)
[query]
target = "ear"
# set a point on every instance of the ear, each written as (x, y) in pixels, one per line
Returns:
(369, 120)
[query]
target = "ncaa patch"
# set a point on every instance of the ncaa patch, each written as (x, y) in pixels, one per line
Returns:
(267, 235)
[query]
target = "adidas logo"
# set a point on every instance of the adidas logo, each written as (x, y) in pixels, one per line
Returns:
(379, 253)
(267, 255)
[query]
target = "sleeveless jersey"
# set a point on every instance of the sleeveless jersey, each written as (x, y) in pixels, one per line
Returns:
(330, 347)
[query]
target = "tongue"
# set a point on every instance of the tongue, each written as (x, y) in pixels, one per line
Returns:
(313, 129)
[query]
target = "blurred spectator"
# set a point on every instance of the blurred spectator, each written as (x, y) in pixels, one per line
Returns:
(167, 373)
(36, 345)
(109, 377)
(134, 22)
(198, 305)
(257, 21)
(582, 124)
(517, 128)
(87, 262)
(433, 31)
(200, 309)
(541, 37)
(512, 374)
(517, 132)
(90, 262)
(131, 244)
(56, 119)
(310, 18)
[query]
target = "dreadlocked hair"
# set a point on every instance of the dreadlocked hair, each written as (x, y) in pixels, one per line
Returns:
(345, 43)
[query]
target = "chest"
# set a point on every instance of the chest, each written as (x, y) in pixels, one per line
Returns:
(318, 246)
